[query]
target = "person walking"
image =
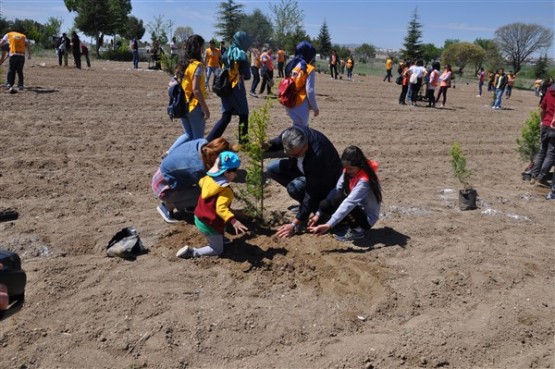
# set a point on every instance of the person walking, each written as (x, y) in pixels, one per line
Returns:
(333, 64)
(212, 61)
(266, 71)
(237, 62)
(511, 77)
(349, 65)
(135, 53)
(213, 212)
(388, 68)
(76, 49)
(280, 61)
(445, 83)
(500, 83)
(190, 73)
(85, 53)
(301, 69)
(255, 65)
(481, 78)
(18, 46)
(356, 198)
(309, 173)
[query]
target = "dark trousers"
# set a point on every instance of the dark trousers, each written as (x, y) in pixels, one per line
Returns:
(77, 58)
(280, 69)
(255, 78)
(265, 78)
(415, 88)
(16, 66)
(87, 59)
(221, 125)
(356, 218)
(545, 158)
(431, 98)
(442, 91)
(403, 95)
(333, 70)
(387, 75)
(60, 56)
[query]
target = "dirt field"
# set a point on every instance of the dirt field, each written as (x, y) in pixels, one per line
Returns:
(431, 287)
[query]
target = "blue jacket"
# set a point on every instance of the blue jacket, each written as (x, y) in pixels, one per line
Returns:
(183, 167)
(322, 168)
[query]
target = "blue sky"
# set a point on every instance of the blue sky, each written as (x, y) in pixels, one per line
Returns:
(381, 23)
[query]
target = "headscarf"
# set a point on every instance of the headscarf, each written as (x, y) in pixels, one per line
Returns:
(236, 52)
(304, 54)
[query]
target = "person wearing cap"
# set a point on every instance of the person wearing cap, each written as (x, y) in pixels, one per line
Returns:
(309, 173)
(213, 212)
(300, 68)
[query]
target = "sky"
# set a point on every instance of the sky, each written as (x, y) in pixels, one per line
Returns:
(383, 24)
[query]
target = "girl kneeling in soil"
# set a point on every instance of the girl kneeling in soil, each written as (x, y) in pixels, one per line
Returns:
(356, 198)
(212, 212)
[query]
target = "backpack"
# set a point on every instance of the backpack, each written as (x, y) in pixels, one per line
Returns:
(287, 92)
(221, 85)
(178, 107)
(15, 279)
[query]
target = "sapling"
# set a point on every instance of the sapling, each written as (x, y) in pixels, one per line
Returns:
(458, 163)
(529, 141)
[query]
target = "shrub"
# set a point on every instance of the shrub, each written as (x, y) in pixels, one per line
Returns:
(529, 141)
(168, 64)
(458, 163)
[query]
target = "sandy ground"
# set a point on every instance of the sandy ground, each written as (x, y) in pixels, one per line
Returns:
(431, 287)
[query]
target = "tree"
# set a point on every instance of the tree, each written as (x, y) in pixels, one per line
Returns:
(288, 21)
(540, 69)
(412, 42)
(259, 27)
(492, 59)
(450, 41)
(181, 34)
(100, 17)
(158, 29)
(365, 52)
(324, 39)
(134, 29)
(463, 53)
(517, 41)
(430, 52)
(230, 15)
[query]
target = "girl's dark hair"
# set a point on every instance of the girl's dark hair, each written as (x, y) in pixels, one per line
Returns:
(192, 50)
(354, 156)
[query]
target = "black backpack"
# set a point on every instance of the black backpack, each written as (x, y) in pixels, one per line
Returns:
(14, 278)
(221, 85)
(178, 107)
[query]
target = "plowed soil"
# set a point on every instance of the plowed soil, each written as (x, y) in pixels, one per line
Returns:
(431, 287)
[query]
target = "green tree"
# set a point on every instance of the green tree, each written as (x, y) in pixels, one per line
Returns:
(412, 42)
(450, 41)
(259, 27)
(365, 52)
(540, 69)
(230, 15)
(288, 21)
(492, 59)
(324, 39)
(517, 41)
(159, 29)
(430, 52)
(462, 54)
(181, 34)
(100, 17)
(134, 29)
(294, 38)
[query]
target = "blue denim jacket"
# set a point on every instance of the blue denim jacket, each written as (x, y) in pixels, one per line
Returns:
(183, 167)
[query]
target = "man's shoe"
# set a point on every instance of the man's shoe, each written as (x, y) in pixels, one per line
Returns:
(550, 196)
(351, 235)
(166, 214)
(543, 183)
(253, 94)
(185, 252)
(20, 88)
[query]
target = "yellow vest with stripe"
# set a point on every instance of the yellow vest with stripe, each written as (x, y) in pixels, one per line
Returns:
(187, 83)
(17, 42)
(300, 78)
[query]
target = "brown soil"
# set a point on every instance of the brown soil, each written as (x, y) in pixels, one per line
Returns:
(432, 286)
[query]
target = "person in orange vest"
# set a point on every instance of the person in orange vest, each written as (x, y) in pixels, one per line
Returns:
(510, 83)
(388, 67)
(212, 61)
(349, 65)
(280, 61)
(18, 44)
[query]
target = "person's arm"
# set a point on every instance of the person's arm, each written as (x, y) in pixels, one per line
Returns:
(357, 195)
(198, 93)
(311, 93)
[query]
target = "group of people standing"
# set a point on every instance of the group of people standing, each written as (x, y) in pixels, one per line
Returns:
(196, 172)
(341, 66)
(65, 45)
(414, 76)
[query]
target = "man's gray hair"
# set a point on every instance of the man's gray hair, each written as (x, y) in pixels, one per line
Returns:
(293, 138)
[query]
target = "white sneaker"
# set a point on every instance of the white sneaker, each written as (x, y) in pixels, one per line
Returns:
(166, 213)
(185, 252)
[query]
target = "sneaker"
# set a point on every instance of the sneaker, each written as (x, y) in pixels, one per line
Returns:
(351, 235)
(7, 86)
(293, 209)
(253, 94)
(185, 252)
(166, 213)
(550, 196)
(20, 88)
(543, 183)
(12, 90)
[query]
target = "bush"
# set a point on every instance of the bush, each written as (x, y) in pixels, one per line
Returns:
(458, 163)
(529, 141)
(121, 54)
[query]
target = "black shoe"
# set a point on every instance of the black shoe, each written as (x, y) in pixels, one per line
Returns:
(543, 183)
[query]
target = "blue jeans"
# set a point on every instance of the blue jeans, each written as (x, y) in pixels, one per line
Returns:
(209, 72)
(498, 97)
(135, 59)
(193, 125)
(255, 78)
(292, 179)
(16, 66)
(480, 84)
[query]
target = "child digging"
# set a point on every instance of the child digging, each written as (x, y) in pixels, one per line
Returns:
(212, 212)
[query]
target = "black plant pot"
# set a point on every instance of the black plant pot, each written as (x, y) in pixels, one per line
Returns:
(526, 176)
(467, 199)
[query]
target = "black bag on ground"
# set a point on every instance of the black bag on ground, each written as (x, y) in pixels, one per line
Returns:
(178, 107)
(221, 85)
(14, 278)
(126, 244)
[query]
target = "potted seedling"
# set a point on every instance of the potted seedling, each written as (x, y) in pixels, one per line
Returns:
(468, 195)
(529, 142)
